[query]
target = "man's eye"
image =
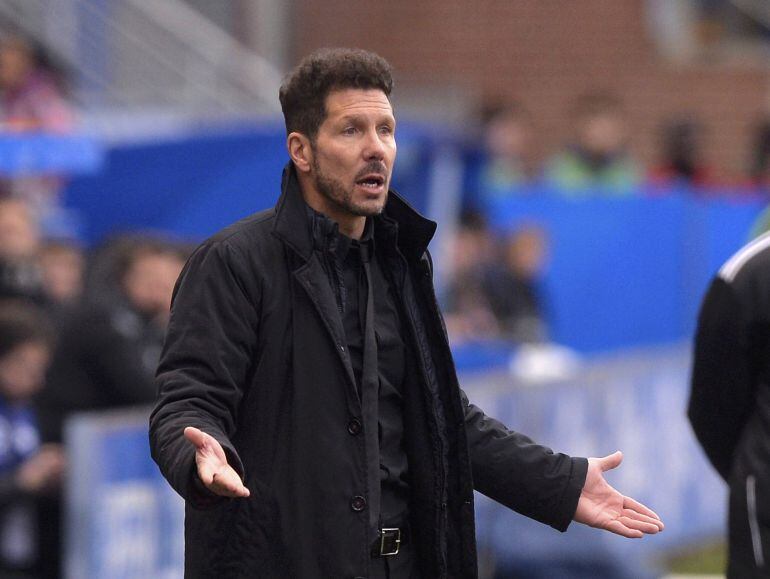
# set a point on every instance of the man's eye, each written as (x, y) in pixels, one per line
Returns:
(349, 131)
(386, 130)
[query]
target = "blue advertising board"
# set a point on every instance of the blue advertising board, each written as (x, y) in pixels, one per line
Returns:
(125, 522)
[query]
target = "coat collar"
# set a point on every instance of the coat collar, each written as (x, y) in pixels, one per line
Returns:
(294, 226)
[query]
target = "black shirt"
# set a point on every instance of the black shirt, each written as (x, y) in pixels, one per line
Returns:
(391, 362)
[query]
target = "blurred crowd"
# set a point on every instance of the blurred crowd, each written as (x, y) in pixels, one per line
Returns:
(79, 331)
(81, 328)
(599, 158)
(495, 288)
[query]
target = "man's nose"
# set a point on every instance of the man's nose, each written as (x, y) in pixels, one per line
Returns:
(374, 147)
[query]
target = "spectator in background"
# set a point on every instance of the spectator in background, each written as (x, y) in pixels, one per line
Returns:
(508, 162)
(682, 162)
(31, 99)
(493, 293)
(110, 349)
(20, 273)
(62, 265)
(514, 289)
(597, 162)
(467, 311)
(27, 469)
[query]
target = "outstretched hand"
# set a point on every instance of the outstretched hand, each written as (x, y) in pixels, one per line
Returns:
(603, 507)
(214, 472)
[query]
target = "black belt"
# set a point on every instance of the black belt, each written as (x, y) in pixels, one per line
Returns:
(390, 540)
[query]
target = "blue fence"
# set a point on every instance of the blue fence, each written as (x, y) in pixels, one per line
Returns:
(623, 272)
(630, 402)
(125, 523)
(44, 153)
(630, 271)
(194, 185)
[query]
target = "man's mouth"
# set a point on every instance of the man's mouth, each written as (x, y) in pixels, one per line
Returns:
(371, 181)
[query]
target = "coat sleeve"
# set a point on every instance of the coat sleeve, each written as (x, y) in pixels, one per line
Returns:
(529, 478)
(722, 383)
(205, 364)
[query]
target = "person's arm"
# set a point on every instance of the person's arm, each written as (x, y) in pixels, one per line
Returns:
(722, 385)
(39, 474)
(204, 367)
(513, 470)
(117, 359)
(550, 487)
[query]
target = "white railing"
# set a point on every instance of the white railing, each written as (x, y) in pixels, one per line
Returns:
(145, 53)
(758, 10)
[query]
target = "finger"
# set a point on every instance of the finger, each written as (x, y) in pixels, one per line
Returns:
(196, 436)
(629, 503)
(643, 526)
(642, 517)
(620, 529)
(611, 461)
(229, 484)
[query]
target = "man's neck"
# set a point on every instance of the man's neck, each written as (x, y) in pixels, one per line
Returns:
(350, 225)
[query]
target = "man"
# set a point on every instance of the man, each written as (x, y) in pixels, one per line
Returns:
(308, 406)
(730, 399)
(109, 348)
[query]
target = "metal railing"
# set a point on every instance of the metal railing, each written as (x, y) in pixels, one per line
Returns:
(148, 54)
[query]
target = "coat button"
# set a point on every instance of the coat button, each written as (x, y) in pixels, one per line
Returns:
(354, 426)
(358, 503)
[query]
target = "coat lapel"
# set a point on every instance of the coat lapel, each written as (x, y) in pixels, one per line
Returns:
(312, 277)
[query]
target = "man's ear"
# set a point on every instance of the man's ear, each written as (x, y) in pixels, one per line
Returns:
(300, 151)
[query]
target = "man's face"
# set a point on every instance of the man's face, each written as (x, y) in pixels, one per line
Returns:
(22, 370)
(150, 281)
(354, 152)
(15, 63)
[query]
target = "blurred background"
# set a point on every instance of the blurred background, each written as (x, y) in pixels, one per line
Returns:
(591, 165)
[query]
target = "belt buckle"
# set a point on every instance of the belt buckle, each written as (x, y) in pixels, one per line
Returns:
(390, 542)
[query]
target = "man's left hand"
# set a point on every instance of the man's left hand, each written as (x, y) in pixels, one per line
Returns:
(603, 507)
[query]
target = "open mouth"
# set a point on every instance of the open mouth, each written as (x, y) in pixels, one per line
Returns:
(371, 181)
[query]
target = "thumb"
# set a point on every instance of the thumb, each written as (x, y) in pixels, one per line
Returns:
(195, 436)
(611, 461)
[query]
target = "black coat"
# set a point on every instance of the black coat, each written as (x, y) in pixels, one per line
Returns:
(255, 357)
(105, 358)
(729, 406)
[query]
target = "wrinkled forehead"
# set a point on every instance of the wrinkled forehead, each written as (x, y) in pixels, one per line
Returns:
(354, 101)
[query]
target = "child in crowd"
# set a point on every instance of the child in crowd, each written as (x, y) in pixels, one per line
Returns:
(27, 469)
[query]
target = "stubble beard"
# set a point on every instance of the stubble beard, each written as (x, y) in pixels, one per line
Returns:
(341, 197)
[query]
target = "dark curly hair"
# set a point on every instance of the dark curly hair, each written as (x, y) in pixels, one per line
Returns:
(20, 323)
(304, 91)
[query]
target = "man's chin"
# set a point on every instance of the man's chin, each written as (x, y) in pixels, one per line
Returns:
(369, 210)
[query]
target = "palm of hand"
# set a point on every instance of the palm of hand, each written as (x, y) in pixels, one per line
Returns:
(603, 507)
(213, 469)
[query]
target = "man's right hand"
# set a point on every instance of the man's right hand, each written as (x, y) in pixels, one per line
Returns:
(214, 472)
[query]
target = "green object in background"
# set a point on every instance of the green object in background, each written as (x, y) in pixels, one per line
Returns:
(705, 559)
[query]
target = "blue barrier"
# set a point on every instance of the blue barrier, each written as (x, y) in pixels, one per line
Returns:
(24, 154)
(123, 520)
(623, 272)
(194, 185)
(125, 523)
(632, 402)
(630, 271)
